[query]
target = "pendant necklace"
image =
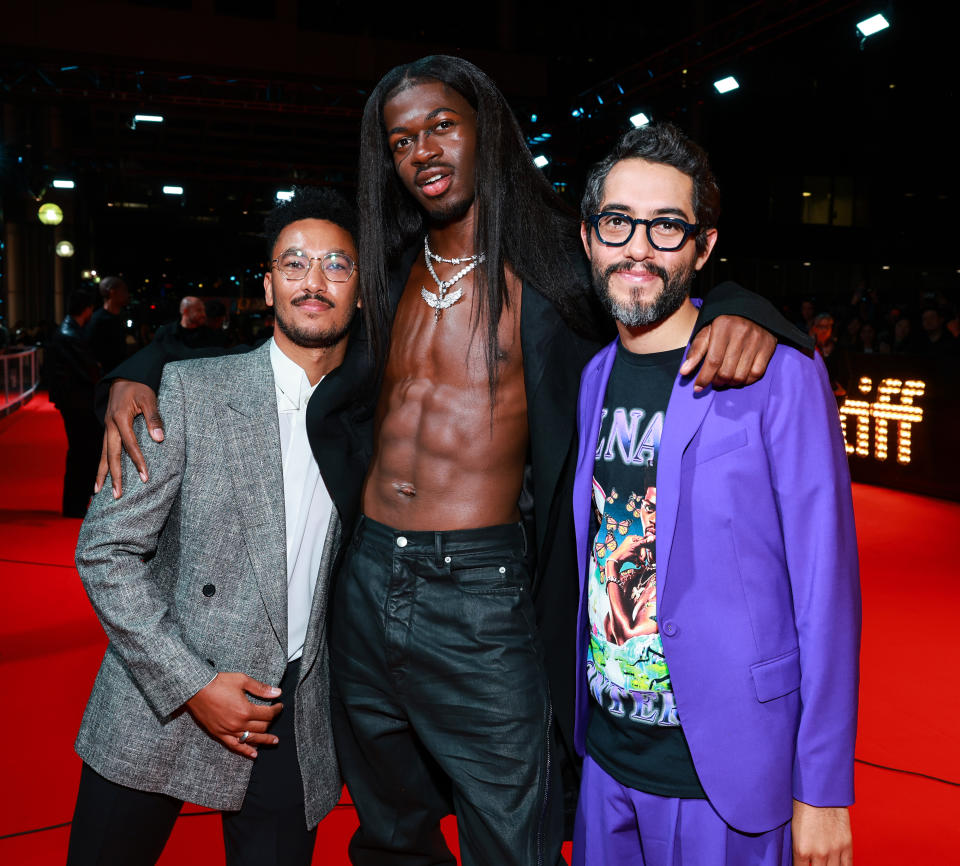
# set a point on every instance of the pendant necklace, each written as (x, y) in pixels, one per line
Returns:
(439, 301)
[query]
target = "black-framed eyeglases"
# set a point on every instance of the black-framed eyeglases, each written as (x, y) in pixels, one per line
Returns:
(663, 233)
(296, 264)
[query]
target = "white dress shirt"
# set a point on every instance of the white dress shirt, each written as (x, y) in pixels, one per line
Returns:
(307, 502)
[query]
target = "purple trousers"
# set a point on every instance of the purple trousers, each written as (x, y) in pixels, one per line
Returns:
(618, 825)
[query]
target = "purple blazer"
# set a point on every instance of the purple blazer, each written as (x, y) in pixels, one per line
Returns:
(758, 594)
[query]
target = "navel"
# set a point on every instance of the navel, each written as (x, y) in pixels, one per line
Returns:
(405, 488)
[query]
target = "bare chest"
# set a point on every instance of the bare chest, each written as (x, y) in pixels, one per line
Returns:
(449, 345)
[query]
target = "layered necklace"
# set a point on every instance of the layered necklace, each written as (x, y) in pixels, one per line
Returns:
(441, 299)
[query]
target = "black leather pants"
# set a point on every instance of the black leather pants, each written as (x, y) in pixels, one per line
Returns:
(440, 699)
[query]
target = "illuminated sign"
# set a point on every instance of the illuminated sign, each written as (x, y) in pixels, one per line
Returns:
(880, 413)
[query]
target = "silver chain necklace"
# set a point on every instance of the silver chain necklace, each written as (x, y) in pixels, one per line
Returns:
(440, 300)
(431, 254)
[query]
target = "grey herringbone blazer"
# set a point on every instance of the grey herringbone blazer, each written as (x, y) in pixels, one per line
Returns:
(188, 576)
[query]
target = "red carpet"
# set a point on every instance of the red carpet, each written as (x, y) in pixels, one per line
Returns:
(51, 644)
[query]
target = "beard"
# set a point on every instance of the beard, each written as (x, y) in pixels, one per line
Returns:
(635, 312)
(313, 338)
(448, 212)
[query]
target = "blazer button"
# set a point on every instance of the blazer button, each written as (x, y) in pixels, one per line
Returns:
(209, 590)
(669, 628)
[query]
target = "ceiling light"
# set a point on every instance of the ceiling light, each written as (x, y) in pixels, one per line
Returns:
(872, 25)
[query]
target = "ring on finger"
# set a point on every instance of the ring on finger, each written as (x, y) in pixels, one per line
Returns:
(244, 736)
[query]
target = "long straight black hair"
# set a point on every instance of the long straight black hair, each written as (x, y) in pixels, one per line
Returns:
(519, 219)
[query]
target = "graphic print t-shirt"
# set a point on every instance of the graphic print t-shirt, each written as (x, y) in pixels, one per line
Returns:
(634, 730)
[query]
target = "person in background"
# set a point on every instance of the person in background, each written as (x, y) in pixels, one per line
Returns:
(935, 341)
(106, 332)
(216, 314)
(867, 343)
(834, 356)
(190, 330)
(72, 375)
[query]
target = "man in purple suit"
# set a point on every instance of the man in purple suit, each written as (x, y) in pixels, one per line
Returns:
(717, 659)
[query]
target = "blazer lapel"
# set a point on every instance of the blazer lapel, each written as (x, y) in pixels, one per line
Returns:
(685, 414)
(592, 394)
(250, 432)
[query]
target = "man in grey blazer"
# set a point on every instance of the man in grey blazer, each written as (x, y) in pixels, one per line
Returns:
(211, 582)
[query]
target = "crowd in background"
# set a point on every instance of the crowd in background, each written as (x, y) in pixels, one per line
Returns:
(929, 328)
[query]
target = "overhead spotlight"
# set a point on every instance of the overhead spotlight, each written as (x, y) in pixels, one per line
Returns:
(533, 118)
(577, 112)
(173, 190)
(64, 249)
(725, 85)
(148, 118)
(540, 161)
(63, 184)
(284, 194)
(639, 119)
(872, 25)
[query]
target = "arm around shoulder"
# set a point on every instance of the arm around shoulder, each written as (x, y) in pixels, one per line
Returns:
(732, 299)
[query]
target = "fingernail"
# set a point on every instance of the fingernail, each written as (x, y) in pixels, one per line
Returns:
(157, 435)
(96, 488)
(143, 477)
(274, 691)
(116, 493)
(254, 754)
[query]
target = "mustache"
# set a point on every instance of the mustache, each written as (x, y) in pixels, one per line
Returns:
(312, 296)
(430, 170)
(649, 267)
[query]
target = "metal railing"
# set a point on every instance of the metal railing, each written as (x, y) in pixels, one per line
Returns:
(20, 377)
